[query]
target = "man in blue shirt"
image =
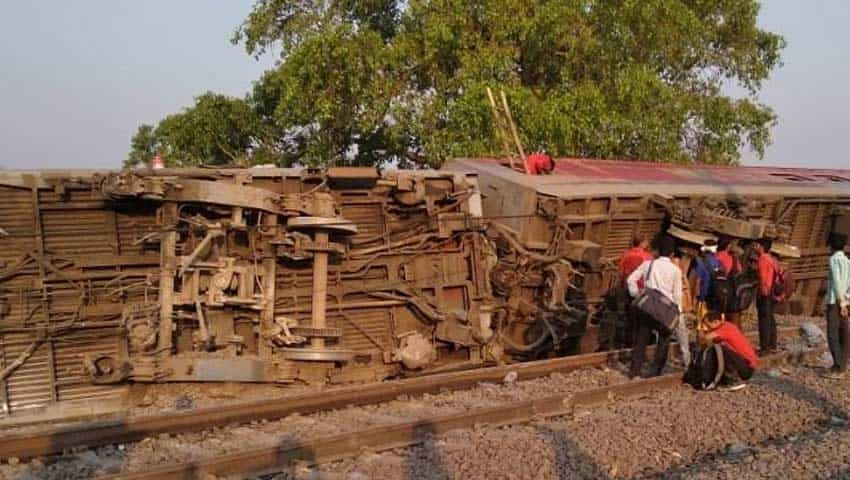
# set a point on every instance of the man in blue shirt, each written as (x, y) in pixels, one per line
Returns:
(705, 267)
(838, 306)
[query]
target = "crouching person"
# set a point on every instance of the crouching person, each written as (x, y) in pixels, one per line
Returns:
(728, 360)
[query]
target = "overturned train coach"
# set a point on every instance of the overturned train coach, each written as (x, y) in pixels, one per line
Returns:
(589, 211)
(350, 274)
(260, 275)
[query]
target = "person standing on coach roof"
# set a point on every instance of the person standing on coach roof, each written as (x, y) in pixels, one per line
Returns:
(539, 163)
(838, 306)
(765, 303)
(665, 277)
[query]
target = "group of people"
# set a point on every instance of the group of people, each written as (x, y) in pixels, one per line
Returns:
(723, 285)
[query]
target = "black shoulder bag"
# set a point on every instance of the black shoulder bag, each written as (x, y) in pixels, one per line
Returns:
(655, 304)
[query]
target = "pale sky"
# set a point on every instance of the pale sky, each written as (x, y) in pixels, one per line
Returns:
(78, 77)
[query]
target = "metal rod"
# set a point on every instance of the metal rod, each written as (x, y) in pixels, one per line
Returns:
(320, 287)
(347, 306)
(168, 264)
(202, 324)
(269, 283)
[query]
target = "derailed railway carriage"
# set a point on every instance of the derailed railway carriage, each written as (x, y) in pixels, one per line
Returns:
(350, 274)
(262, 275)
(593, 208)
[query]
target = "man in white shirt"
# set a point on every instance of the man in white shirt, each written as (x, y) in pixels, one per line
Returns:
(663, 275)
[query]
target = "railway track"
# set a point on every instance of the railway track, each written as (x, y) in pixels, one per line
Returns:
(337, 447)
(89, 434)
(123, 430)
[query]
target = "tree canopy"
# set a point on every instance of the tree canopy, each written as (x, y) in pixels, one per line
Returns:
(363, 82)
(216, 130)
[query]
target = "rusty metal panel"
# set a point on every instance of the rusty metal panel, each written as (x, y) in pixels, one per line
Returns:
(613, 171)
(73, 382)
(75, 232)
(804, 223)
(579, 178)
(16, 219)
(133, 222)
(363, 330)
(369, 218)
(619, 237)
(29, 387)
(44, 287)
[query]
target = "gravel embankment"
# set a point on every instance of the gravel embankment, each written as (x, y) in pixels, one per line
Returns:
(207, 444)
(790, 425)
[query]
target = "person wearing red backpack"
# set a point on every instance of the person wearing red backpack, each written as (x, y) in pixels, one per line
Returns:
(766, 301)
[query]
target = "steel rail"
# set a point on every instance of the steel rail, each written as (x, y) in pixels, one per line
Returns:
(123, 430)
(336, 447)
(120, 430)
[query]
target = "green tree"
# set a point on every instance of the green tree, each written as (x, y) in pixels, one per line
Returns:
(143, 147)
(374, 80)
(216, 130)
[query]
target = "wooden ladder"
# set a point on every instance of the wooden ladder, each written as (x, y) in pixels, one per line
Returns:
(506, 130)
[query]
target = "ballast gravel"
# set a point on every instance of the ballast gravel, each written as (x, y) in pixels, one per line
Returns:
(795, 425)
(207, 444)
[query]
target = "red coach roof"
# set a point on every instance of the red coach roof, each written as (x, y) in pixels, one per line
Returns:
(574, 176)
(582, 169)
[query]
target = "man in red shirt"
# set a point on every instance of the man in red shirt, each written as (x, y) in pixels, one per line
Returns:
(726, 257)
(732, 266)
(539, 163)
(765, 302)
(621, 300)
(634, 257)
(739, 358)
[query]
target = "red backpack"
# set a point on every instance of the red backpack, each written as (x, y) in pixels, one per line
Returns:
(783, 284)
